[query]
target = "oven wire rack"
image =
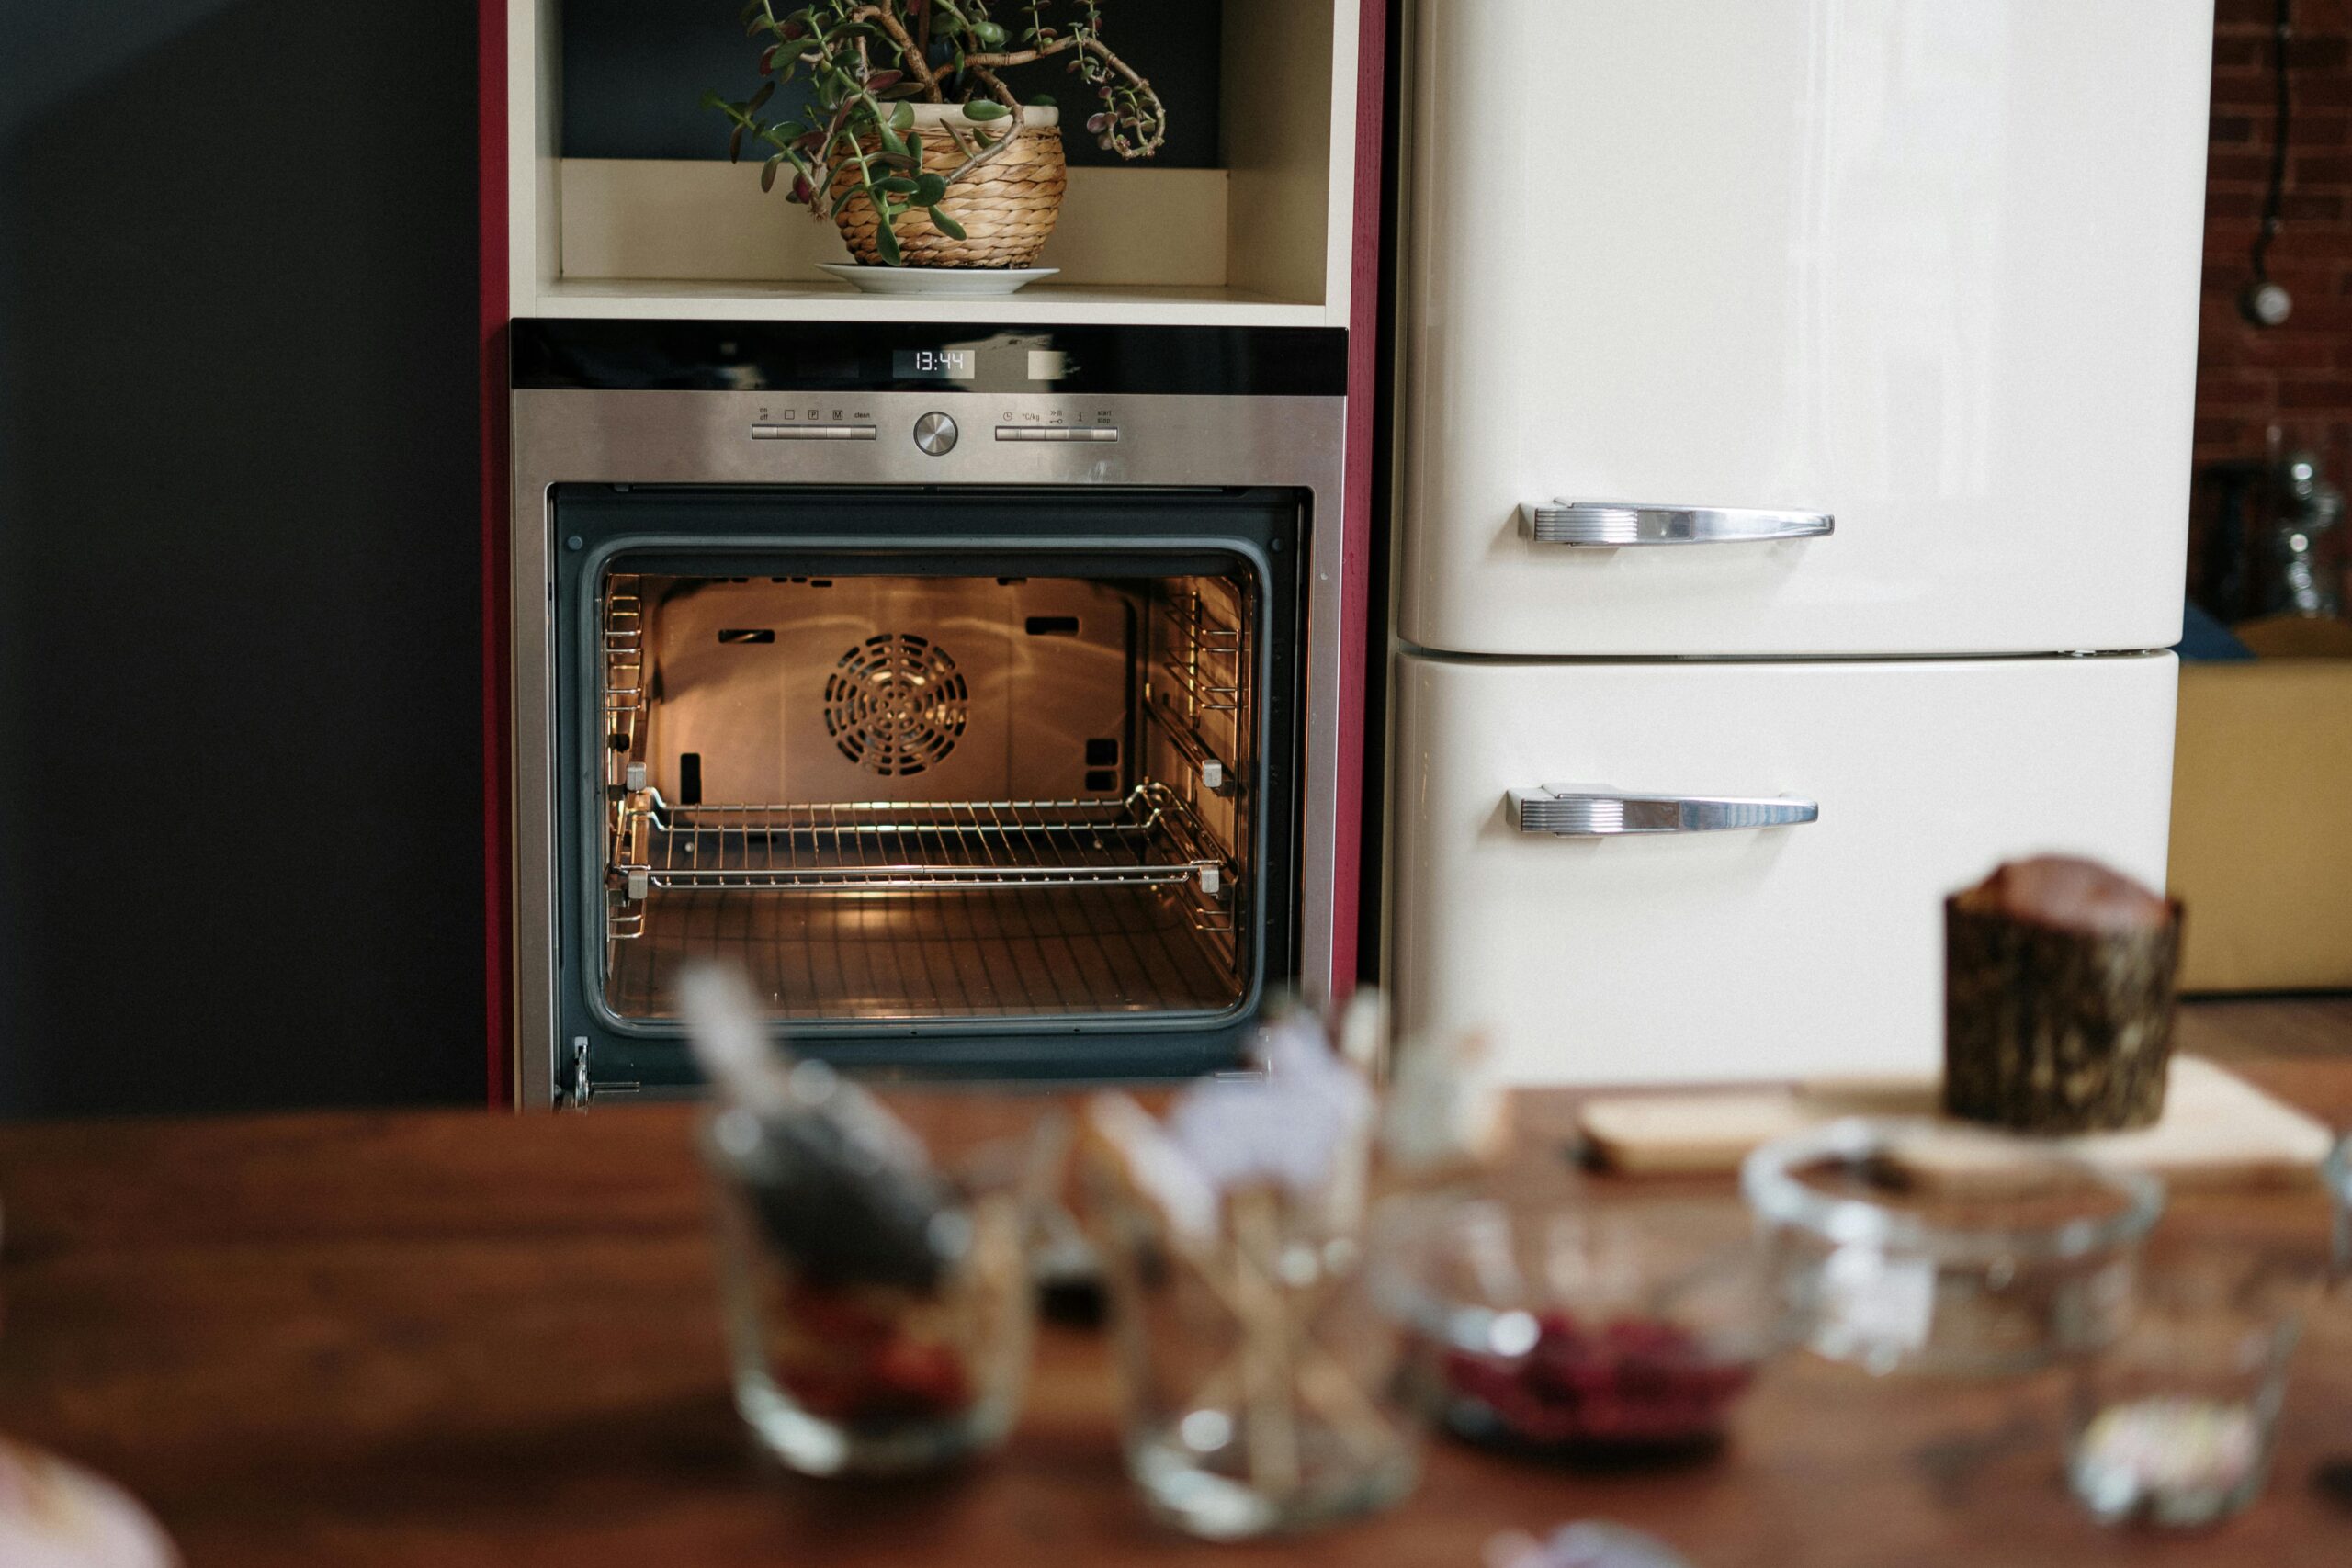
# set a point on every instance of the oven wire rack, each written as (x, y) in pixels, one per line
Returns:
(1149, 837)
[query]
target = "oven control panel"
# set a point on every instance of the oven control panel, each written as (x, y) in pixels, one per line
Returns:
(952, 437)
(936, 433)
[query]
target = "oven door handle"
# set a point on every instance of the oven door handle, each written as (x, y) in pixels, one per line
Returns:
(1586, 811)
(1607, 524)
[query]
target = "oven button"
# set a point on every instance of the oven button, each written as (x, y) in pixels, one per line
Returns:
(1020, 433)
(935, 434)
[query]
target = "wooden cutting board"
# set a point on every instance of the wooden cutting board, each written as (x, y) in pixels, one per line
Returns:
(2217, 1131)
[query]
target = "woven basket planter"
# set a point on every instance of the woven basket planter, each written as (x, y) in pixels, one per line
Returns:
(1007, 205)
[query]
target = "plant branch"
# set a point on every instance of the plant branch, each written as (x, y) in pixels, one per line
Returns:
(887, 18)
(1094, 46)
(1002, 94)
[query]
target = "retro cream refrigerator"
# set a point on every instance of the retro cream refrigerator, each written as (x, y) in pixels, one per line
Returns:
(1796, 399)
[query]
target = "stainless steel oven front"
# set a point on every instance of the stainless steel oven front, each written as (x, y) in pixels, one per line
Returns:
(971, 688)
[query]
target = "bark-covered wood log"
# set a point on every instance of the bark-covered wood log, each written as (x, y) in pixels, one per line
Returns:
(2058, 997)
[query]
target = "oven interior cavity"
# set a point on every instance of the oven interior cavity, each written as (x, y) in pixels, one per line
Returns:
(923, 797)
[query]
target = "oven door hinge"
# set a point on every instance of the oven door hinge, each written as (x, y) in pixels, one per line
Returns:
(585, 1086)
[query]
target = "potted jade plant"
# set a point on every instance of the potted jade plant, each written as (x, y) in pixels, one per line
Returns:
(907, 136)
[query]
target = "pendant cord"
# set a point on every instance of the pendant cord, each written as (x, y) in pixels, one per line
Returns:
(2282, 32)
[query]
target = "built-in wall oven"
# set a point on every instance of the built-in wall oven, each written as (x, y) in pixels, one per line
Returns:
(973, 690)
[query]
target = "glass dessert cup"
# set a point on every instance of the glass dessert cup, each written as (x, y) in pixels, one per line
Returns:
(1620, 1328)
(1908, 1245)
(846, 1365)
(1263, 1392)
(2173, 1423)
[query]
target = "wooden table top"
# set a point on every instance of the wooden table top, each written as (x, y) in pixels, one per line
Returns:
(453, 1339)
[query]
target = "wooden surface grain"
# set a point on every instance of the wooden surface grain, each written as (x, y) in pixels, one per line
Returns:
(459, 1339)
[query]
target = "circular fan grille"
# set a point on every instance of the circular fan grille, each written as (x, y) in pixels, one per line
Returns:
(895, 703)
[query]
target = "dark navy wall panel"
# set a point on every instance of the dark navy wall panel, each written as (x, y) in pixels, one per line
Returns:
(240, 861)
(634, 73)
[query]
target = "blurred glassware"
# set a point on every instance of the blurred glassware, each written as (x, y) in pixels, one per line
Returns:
(2338, 1173)
(845, 1366)
(1578, 1323)
(1586, 1543)
(2333, 1476)
(1907, 1244)
(1264, 1392)
(2173, 1423)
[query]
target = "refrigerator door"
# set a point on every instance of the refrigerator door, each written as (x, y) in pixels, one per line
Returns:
(1652, 871)
(1802, 326)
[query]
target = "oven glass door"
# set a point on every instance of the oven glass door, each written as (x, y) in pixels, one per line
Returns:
(974, 781)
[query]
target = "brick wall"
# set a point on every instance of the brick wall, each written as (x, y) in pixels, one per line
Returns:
(2297, 376)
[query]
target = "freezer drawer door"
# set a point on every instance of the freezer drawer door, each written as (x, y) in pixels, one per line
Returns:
(1801, 326)
(1562, 882)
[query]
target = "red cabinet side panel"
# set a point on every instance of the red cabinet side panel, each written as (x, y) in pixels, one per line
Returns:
(1364, 531)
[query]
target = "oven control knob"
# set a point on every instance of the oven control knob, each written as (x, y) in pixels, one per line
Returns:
(935, 434)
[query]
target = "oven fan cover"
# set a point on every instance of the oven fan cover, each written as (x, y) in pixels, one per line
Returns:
(895, 703)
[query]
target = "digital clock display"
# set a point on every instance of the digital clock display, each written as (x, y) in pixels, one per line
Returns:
(934, 365)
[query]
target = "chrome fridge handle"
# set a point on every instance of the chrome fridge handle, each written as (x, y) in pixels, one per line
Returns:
(1602, 811)
(1606, 524)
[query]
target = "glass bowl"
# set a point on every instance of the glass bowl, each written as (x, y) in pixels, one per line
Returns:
(1907, 1244)
(1580, 1325)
